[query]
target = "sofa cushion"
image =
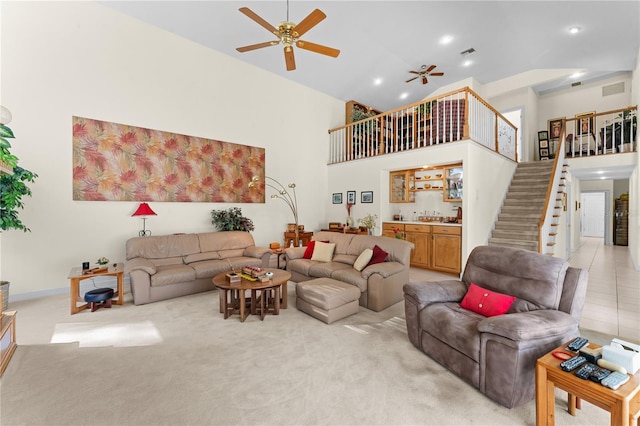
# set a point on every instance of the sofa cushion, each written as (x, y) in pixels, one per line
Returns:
(210, 268)
(486, 302)
(453, 325)
(345, 258)
(197, 257)
(172, 274)
(326, 269)
(224, 240)
(351, 276)
(378, 256)
(168, 261)
(162, 246)
(224, 254)
(363, 260)
(323, 252)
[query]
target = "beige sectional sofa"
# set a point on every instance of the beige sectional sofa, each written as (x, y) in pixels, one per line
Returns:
(380, 284)
(166, 266)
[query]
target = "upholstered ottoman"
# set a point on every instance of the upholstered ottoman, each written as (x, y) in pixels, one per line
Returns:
(100, 297)
(326, 299)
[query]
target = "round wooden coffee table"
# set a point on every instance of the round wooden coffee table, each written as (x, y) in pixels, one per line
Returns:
(233, 295)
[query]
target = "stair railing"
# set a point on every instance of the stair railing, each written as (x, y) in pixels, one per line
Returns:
(546, 221)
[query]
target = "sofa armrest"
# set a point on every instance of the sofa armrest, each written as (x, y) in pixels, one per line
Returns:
(294, 253)
(257, 252)
(429, 292)
(386, 269)
(139, 264)
(523, 326)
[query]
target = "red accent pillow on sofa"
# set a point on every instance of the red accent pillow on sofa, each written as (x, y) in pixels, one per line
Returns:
(309, 251)
(379, 256)
(486, 302)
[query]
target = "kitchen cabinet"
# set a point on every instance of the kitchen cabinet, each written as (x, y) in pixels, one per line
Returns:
(446, 248)
(453, 184)
(436, 247)
(7, 338)
(420, 236)
(401, 185)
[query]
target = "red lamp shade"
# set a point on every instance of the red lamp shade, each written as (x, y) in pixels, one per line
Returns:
(144, 210)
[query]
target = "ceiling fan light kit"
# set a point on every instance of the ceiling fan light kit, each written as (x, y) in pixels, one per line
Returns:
(288, 34)
(424, 72)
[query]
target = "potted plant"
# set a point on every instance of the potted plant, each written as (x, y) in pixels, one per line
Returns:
(231, 219)
(13, 186)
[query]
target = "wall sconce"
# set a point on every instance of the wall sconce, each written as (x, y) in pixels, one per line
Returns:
(144, 210)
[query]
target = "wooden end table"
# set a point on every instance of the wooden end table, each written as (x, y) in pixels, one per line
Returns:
(623, 403)
(76, 275)
(233, 295)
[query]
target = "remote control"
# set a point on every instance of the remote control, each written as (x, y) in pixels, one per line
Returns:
(573, 363)
(599, 374)
(585, 371)
(615, 380)
(577, 344)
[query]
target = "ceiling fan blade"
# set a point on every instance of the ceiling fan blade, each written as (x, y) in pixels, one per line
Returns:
(415, 72)
(431, 68)
(436, 74)
(411, 79)
(257, 46)
(309, 22)
(318, 48)
(289, 58)
(251, 14)
(424, 79)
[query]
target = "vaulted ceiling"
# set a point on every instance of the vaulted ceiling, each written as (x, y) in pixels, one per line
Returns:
(381, 41)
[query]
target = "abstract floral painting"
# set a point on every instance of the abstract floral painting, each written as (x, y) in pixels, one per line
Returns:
(118, 162)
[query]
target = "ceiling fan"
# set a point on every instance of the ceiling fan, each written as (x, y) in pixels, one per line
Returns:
(288, 34)
(424, 72)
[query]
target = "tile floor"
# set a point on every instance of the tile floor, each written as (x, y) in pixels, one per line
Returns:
(612, 304)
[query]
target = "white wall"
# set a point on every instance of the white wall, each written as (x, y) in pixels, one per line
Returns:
(61, 59)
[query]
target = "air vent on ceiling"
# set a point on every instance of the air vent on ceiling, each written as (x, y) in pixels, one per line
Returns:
(613, 89)
(577, 83)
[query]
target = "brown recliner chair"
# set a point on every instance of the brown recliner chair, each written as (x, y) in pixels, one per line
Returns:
(497, 354)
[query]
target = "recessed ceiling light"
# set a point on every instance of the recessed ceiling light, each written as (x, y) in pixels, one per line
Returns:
(377, 81)
(467, 63)
(600, 172)
(446, 39)
(576, 75)
(575, 30)
(405, 95)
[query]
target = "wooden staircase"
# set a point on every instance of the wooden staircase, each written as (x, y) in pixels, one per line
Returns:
(518, 220)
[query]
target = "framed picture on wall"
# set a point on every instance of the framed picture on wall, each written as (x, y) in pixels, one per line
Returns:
(585, 123)
(366, 197)
(544, 143)
(543, 135)
(351, 197)
(337, 198)
(544, 153)
(555, 127)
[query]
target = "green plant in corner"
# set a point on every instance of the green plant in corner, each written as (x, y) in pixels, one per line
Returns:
(13, 186)
(231, 219)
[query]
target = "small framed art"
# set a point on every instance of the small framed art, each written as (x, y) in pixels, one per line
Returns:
(543, 135)
(351, 197)
(544, 153)
(555, 127)
(337, 198)
(544, 143)
(585, 123)
(366, 197)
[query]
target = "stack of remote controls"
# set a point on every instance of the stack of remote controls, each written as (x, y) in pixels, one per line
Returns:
(598, 373)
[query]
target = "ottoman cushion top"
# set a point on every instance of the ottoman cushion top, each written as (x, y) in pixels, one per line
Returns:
(327, 293)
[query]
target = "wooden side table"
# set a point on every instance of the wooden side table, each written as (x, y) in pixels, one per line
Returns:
(7, 338)
(290, 237)
(623, 403)
(76, 275)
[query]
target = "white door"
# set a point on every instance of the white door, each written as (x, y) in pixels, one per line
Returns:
(592, 214)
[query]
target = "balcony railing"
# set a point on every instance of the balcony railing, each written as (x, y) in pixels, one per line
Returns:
(596, 133)
(455, 116)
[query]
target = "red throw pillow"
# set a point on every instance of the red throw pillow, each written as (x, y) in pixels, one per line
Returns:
(486, 302)
(379, 256)
(309, 251)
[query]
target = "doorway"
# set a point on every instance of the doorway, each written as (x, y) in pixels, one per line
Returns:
(593, 214)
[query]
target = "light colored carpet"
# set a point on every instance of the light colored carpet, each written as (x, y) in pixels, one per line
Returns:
(178, 362)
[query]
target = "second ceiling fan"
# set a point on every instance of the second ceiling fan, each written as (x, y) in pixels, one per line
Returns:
(424, 72)
(289, 34)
